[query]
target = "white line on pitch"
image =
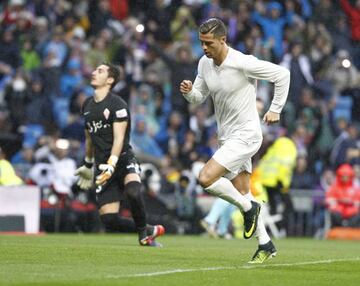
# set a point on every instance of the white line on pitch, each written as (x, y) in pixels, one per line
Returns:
(172, 271)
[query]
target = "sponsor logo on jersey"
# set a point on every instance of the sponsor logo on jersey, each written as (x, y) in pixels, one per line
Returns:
(121, 113)
(94, 126)
(106, 113)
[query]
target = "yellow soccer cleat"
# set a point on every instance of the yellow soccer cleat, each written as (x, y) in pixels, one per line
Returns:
(264, 252)
(251, 219)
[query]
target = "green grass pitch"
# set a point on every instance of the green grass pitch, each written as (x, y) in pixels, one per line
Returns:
(184, 260)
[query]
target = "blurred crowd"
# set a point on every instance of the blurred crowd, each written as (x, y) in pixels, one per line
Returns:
(48, 49)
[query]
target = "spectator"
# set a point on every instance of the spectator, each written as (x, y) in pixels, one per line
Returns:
(8, 176)
(142, 142)
(327, 178)
(30, 58)
(303, 177)
(299, 65)
(173, 134)
(273, 23)
(17, 97)
(346, 146)
(342, 74)
(343, 199)
(275, 172)
(325, 13)
(64, 168)
(23, 161)
(39, 109)
(182, 24)
(353, 14)
(9, 53)
(181, 66)
(56, 49)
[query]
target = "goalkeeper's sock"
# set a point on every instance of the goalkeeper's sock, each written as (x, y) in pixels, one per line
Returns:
(113, 223)
(132, 192)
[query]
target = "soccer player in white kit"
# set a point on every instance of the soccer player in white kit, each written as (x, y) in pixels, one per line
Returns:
(229, 77)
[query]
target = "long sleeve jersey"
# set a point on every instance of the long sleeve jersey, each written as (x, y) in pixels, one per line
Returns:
(232, 86)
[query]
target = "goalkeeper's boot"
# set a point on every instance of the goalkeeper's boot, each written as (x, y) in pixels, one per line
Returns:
(158, 230)
(251, 219)
(264, 252)
(147, 237)
(149, 241)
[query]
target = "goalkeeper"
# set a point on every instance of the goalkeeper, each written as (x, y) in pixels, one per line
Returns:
(116, 170)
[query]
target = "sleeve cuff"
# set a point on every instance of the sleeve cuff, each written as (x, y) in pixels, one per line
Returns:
(276, 108)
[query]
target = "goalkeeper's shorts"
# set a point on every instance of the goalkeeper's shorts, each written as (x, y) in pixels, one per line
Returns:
(112, 190)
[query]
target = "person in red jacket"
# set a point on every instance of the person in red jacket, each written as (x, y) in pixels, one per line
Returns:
(353, 14)
(343, 198)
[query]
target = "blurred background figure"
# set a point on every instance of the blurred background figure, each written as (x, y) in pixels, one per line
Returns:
(343, 199)
(8, 176)
(275, 171)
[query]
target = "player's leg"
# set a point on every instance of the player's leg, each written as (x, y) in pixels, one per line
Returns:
(113, 222)
(210, 178)
(209, 222)
(109, 216)
(242, 183)
(132, 191)
(266, 248)
(108, 199)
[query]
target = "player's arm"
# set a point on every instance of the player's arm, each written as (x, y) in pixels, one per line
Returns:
(89, 148)
(276, 74)
(197, 92)
(119, 130)
(85, 172)
(194, 93)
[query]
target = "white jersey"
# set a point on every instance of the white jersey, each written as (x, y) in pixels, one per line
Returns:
(232, 86)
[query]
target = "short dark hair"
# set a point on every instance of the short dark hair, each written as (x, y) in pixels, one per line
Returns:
(114, 72)
(215, 26)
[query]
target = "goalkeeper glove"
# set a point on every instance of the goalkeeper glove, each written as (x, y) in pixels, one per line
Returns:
(85, 174)
(107, 170)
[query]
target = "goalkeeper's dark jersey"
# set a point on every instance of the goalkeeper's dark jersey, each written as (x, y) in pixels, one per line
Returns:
(99, 119)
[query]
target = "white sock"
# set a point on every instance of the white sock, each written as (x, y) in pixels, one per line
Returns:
(224, 189)
(260, 233)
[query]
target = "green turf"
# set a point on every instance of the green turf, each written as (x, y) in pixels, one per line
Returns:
(117, 259)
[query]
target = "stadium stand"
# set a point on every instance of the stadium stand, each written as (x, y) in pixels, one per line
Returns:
(48, 49)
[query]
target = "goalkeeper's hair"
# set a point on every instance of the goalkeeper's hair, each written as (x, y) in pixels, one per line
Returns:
(214, 26)
(114, 72)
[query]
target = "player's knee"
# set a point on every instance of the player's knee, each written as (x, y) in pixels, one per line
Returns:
(205, 180)
(110, 222)
(132, 190)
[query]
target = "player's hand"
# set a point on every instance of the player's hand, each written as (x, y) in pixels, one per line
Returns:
(86, 176)
(185, 86)
(107, 171)
(271, 117)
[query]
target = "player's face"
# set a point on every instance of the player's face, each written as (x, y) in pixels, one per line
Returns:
(211, 45)
(100, 77)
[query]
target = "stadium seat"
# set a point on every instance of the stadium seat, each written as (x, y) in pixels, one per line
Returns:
(32, 132)
(343, 108)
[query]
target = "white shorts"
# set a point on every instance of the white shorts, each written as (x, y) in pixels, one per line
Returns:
(235, 156)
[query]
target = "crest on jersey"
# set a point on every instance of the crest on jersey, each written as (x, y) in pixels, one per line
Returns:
(106, 113)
